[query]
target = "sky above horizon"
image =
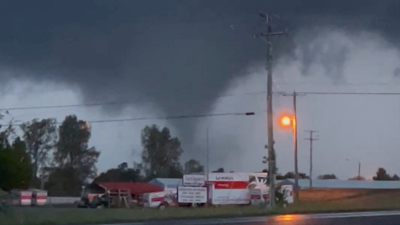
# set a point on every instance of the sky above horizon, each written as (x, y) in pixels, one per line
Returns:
(208, 63)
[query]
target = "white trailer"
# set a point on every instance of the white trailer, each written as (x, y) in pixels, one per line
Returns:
(229, 188)
(159, 199)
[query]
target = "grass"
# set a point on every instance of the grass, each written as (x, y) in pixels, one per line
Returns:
(93, 216)
(3, 193)
(312, 202)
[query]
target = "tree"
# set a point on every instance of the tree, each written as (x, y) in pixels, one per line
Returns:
(382, 175)
(290, 175)
(73, 156)
(40, 137)
(193, 166)
(15, 166)
(4, 142)
(219, 170)
(357, 178)
(120, 174)
(327, 177)
(161, 153)
(6, 131)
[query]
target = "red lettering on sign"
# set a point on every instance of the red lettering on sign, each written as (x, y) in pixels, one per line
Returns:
(157, 199)
(26, 197)
(230, 184)
(255, 197)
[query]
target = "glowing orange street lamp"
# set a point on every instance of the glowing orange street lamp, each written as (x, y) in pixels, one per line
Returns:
(287, 122)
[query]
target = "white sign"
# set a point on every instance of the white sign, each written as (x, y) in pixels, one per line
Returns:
(192, 194)
(194, 180)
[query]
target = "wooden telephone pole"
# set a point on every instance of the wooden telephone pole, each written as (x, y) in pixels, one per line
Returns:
(296, 161)
(271, 161)
(311, 139)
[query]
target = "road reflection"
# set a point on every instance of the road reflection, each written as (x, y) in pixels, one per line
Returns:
(288, 219)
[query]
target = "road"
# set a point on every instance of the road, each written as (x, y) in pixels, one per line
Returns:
(364, 218)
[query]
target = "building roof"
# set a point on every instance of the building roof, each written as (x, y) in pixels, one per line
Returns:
(348, 184)
(134, 187)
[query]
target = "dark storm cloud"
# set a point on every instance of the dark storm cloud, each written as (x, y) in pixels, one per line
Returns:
(180, 54)
(328, 52)
(396, 72)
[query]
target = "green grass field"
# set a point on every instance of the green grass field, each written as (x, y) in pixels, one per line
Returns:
(312, 202)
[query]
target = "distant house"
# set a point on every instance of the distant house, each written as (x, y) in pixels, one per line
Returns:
(168, 184)
(343, 184)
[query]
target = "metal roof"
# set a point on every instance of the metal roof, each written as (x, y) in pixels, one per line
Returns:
(134, 187)
(350, 184)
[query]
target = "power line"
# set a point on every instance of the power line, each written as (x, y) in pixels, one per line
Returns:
(228, 95)
(341, 93)
(275, 82)
(339, 84)
(108, 103)
(159, 118)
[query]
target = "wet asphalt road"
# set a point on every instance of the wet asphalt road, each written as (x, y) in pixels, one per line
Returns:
(367, 218)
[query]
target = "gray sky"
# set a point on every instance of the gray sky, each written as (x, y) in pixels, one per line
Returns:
(178, 59)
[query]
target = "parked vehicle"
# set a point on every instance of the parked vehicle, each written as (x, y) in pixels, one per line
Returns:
(161, 200)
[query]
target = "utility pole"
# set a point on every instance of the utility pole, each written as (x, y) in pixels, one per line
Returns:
(271, 161)
(296, 164)
(208, 156)
(42, 181)
(311, 139)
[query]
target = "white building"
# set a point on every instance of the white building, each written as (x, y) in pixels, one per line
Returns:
(168, 184)
(344, 184)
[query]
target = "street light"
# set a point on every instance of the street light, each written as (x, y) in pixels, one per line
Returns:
(359, 167)
(289, 121)
(286, 121)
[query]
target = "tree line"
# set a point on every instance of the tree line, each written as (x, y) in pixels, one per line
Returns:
(381, 175)
(41, 154)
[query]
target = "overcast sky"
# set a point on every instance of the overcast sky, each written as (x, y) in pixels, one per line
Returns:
(197, 58)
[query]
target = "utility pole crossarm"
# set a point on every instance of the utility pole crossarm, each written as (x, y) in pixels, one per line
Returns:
(294, 93)
(271, 34)
(311, 138)
(279, 33)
